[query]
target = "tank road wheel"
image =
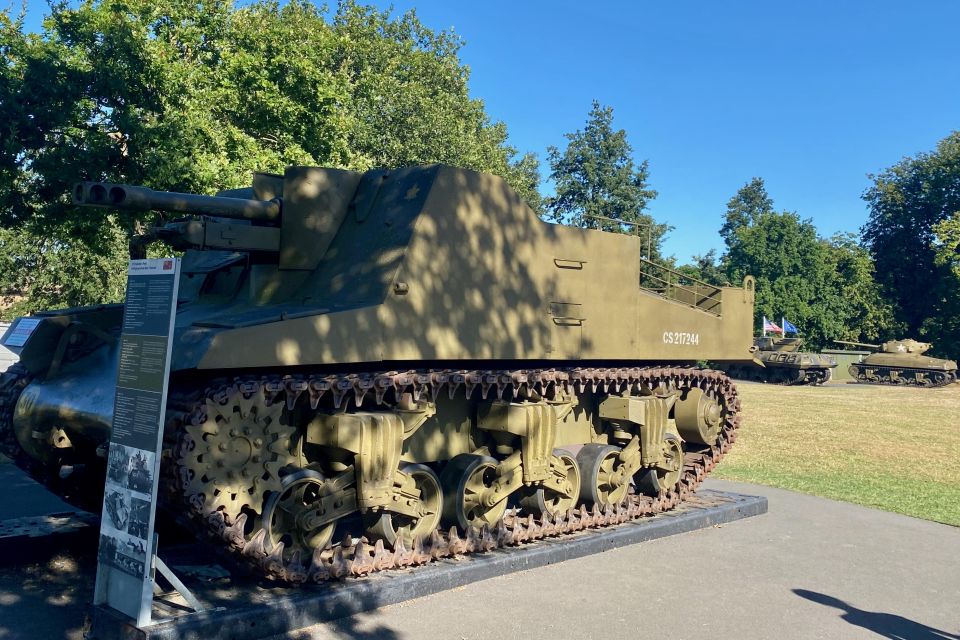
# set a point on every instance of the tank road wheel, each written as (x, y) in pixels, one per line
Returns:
(698, 416)
(287, 514)
(467, 480)
(389, 526)
(557, 495)
(599, 482)
(667, 474)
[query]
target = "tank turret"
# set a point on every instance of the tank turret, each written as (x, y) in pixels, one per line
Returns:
(905, 346)
(774, 343)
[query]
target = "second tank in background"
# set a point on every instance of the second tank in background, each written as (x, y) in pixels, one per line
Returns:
(784, 363)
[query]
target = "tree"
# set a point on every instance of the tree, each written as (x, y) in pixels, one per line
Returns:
(946, 243)
(195, 97)
(745, 207)
(825, 287)
(866, 315)
(705, 268)
(913, 206)
(595, 177)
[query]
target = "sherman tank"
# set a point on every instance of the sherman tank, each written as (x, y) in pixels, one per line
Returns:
(373, 370)
(780, 361)
(901, 362)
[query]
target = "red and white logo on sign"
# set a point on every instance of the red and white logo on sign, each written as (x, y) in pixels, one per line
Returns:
(167, 265)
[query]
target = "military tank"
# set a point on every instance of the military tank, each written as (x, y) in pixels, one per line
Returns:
(373, 370)
(780, 361)
(901, 362)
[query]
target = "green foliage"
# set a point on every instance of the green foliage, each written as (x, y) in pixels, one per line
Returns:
(946, 243)
(195, 97)
(911, 234)
(596, 176)
(705, 268)
(61, 272)
(825, 287)
(745, 207)
(867, 316)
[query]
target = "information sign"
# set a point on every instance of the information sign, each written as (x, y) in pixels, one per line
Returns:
(124, 575)
(17, 335)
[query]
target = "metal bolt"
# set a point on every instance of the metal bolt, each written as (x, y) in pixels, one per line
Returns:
(223, 446)
(258, 442)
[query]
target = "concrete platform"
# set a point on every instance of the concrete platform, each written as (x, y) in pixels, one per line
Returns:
(246, 611)
(28, 510)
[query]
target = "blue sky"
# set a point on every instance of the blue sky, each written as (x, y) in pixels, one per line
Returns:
(810, 96)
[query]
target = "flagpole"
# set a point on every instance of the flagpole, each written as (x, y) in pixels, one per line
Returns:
(764, 326)
(783, 325)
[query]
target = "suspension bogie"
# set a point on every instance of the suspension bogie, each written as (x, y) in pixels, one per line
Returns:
(402, 467)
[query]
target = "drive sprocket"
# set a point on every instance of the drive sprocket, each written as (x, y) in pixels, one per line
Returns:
(232, 449)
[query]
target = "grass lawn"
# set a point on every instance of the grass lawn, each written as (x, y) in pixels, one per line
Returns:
(887, 447)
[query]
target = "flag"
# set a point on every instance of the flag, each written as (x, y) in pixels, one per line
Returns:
(788, 327)
(770, 326)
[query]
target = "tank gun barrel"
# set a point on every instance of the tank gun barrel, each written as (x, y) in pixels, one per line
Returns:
(858, 344)
(133, 198)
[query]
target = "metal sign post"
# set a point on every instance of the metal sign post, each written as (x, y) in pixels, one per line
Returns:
(125, 576)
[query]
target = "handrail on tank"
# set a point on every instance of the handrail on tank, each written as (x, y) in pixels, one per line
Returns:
(709, 302)
(133, 198)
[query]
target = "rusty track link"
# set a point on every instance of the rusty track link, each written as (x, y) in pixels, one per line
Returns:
(354, 557)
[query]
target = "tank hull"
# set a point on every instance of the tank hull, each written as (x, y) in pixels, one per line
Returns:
(939, 374)
(420, 353)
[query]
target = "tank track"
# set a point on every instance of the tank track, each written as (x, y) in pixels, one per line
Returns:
(359, 557)
(83, 489)
(911, 380)
(12, 383)
(812, 377)
(772, 376)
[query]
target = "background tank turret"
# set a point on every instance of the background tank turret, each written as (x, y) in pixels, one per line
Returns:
(391, 354)
(901, 362)
(780, 361)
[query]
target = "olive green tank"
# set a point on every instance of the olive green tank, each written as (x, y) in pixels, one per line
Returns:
(901, 362)
(408, 361)
(780, 361)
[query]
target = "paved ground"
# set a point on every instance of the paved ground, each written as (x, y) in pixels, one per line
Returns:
(810, 568)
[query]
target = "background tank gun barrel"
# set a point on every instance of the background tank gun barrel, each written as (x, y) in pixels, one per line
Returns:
(858, 344)
(129, 197)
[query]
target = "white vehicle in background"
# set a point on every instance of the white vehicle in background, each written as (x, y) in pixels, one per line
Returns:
(7, 357)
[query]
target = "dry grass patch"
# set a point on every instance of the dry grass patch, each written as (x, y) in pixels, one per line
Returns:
(893, 448)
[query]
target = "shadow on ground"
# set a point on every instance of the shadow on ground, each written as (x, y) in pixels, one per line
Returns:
(886, 625)
(45, 588)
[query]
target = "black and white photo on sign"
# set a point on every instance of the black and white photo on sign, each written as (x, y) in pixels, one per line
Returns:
(108, 549)
(124, 552)
(116, 505)
(139, 517)
(130, 467)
